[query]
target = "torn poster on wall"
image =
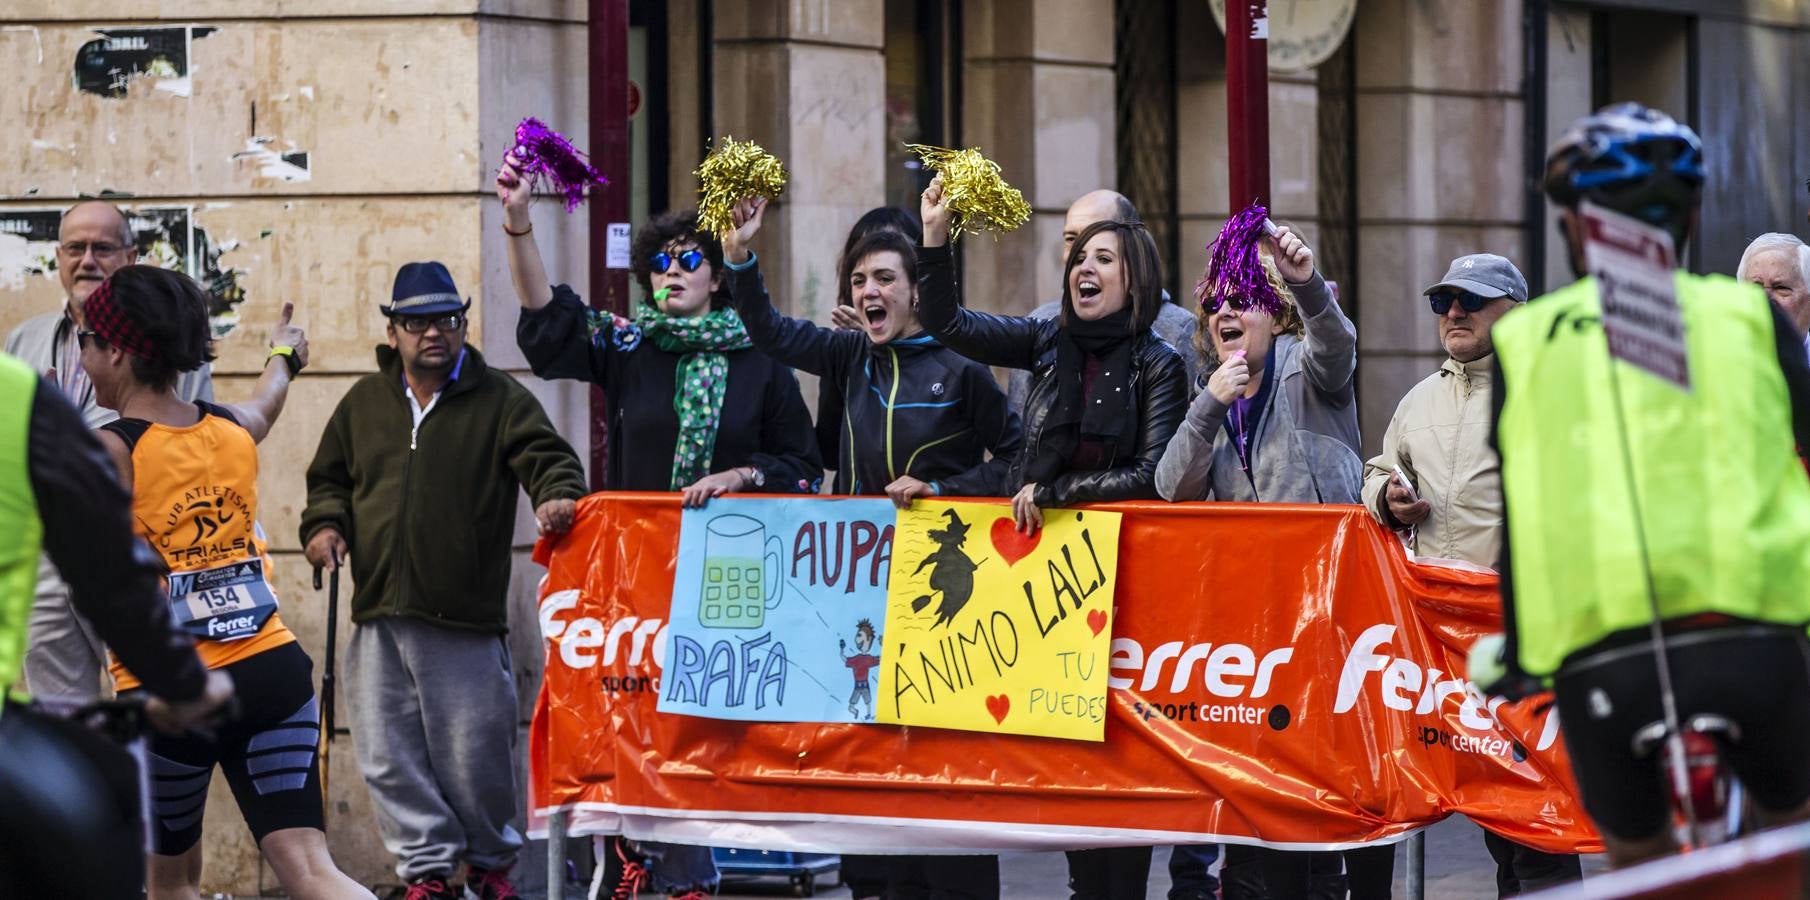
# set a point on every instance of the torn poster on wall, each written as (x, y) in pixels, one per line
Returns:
(167, 236)
(28, 245)
(104, 66)
(288, 165)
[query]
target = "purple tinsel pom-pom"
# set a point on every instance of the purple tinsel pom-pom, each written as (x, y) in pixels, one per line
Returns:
(1234, 268)
(546, 156)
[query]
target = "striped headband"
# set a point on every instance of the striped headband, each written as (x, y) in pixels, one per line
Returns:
(111, 324)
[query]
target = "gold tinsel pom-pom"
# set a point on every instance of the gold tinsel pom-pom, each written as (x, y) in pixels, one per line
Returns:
(735, 171)
(977, 197)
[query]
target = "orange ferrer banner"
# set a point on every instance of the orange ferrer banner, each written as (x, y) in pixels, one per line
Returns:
(1278, 675)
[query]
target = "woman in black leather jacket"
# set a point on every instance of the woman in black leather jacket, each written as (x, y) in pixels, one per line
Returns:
(1106, 395)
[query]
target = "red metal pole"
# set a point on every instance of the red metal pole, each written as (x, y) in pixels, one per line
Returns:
(1248, 101)
(607, 36)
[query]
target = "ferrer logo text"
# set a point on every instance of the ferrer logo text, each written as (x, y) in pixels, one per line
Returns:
(1406, 687)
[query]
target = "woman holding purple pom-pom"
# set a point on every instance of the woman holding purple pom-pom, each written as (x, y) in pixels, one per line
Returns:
(1275, 421)
(695, 409)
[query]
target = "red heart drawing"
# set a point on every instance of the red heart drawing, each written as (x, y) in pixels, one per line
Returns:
(1096, 620)
(1011, 543)
(999, 705)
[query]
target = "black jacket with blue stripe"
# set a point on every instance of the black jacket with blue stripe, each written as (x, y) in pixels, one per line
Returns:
(911, 406)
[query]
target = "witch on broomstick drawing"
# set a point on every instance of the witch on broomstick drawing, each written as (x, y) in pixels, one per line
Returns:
(951, 573)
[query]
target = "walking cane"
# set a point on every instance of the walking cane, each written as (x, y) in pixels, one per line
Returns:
(327, 676)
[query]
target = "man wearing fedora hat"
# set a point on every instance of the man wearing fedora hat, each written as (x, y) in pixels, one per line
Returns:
(1451, 504)
(415, 483)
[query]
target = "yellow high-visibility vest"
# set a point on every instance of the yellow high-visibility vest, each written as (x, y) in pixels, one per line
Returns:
(21, 533)
(1724, 501)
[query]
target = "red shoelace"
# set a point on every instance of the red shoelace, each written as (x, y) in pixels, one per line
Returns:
(634, 877)
(497, 882)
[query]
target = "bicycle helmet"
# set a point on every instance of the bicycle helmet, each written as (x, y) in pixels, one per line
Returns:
(1631, 159)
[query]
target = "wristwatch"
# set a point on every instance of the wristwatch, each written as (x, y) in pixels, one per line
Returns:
(756, 478)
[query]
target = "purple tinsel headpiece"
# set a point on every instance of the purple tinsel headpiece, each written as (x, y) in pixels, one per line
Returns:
(546, 156)
(1234, 268)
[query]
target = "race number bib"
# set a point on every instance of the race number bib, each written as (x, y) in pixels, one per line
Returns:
(224, 603)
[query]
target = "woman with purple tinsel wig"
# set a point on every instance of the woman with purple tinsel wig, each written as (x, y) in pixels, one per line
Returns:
(1275, 421)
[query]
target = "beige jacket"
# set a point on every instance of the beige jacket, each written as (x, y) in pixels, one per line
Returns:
(1440, 439)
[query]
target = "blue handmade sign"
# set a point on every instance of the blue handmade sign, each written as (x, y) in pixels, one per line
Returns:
(777, 607)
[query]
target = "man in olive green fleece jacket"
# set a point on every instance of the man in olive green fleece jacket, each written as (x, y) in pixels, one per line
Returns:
(415, 482)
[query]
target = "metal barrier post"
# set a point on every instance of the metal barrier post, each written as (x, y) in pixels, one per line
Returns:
(1417, 866)
(556, 855)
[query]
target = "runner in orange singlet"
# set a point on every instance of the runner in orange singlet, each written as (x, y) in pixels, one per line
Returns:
(192, 469)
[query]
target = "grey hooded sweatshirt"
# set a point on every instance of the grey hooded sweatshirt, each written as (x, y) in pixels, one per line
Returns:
(1306, 446)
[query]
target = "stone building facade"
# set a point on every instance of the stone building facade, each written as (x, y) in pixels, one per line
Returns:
(295, 152)
(303, 151)
(1417, 141)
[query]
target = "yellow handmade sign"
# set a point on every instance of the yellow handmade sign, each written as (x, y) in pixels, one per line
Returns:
(988, 629)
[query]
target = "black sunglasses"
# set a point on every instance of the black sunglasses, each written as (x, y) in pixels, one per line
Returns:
(81, 338)
(1239, 303)
(689, 261)
(418, 324)
(1442, 301)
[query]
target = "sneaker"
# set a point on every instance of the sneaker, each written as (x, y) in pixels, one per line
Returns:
(490, 884)
(430, 888)
(634, 875)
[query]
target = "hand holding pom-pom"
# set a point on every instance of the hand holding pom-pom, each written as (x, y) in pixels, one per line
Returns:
(933, 210)
(514, 189)
(970, 186)
(736, 171)
(1294, 259)
(543, 156)
(744, 220)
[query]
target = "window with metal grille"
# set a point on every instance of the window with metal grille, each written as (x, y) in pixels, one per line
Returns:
(921, 42)
(1144, 77)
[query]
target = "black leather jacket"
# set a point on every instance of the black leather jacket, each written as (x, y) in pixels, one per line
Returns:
(1158, 380)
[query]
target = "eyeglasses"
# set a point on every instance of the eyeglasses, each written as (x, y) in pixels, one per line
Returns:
(689, 261)
(1238, 304)
(79, 249)
(419, 324)
(1442, 301)
(81, 338)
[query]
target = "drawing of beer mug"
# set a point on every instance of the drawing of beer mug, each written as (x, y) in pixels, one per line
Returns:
(739, 587)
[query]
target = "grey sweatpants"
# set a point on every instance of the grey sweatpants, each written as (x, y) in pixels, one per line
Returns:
(434, 718)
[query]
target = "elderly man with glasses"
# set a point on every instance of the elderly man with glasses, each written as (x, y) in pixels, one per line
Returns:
(64, 658)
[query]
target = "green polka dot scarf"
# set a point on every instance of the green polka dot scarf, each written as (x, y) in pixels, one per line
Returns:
(703, 379)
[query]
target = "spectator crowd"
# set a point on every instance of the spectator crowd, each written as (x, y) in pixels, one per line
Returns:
(1116, 391)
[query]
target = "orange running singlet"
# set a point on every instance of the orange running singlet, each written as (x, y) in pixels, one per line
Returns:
(195, 500)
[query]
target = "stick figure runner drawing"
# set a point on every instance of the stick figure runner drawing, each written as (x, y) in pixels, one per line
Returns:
(862, 660)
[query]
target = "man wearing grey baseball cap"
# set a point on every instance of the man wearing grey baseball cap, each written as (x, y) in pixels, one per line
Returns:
(1438, 481)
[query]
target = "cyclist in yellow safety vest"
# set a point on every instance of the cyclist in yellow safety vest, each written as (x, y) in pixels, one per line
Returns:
(1716, 507)
(69, 801)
